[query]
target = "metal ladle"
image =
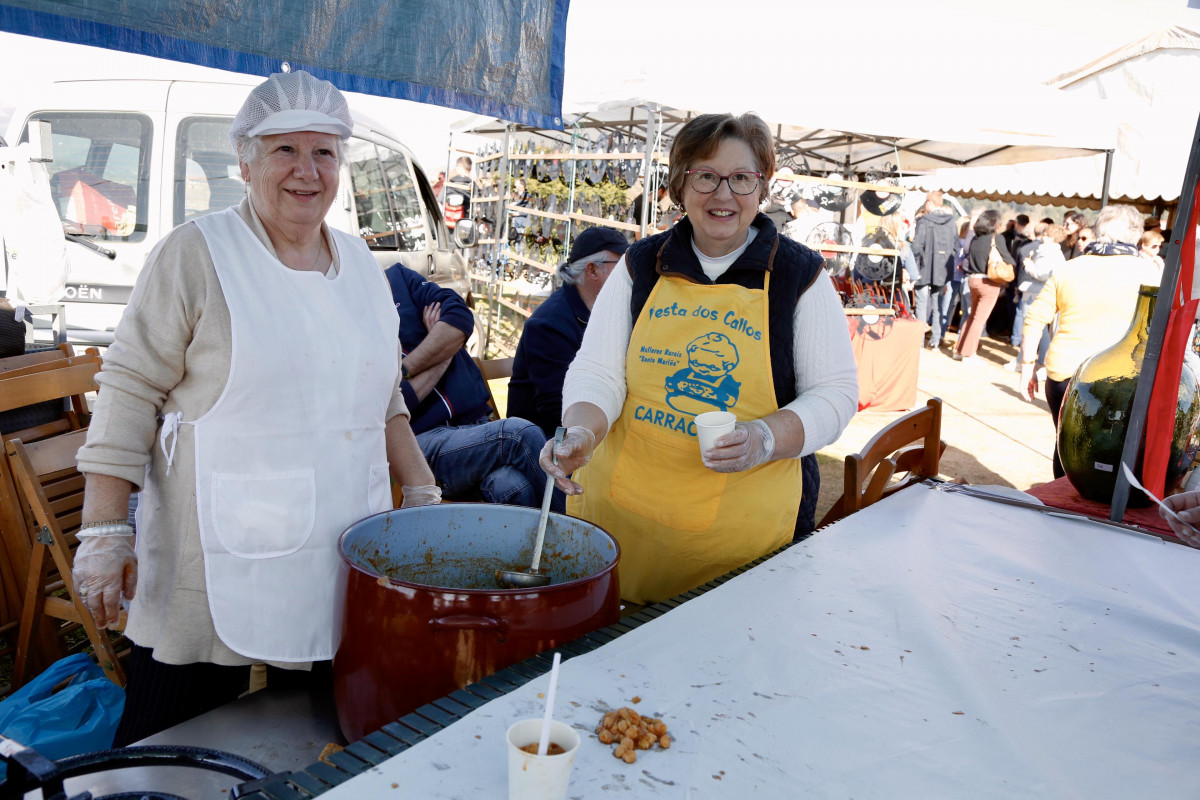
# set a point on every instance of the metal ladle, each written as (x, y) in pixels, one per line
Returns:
(510, 579)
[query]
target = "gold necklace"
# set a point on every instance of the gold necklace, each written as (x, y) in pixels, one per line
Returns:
(312, 263)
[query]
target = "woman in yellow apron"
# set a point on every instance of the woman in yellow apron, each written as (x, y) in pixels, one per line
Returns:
(719, 313)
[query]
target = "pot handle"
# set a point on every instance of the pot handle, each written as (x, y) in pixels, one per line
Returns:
(468, 622)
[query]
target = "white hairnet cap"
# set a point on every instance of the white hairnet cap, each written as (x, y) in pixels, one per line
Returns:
(288, 102)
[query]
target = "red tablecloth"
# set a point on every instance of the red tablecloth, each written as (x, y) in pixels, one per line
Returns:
(1061, 494)
(888, 354)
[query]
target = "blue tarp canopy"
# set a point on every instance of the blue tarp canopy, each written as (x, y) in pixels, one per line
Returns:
(503, 59)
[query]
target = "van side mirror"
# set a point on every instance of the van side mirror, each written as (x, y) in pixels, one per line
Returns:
(465, 234)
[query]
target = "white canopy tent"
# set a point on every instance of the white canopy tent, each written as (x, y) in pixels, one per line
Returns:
(916, 132)
(1150, 83)
(848, 134)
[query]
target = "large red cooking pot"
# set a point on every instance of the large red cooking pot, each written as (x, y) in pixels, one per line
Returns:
(420, 614)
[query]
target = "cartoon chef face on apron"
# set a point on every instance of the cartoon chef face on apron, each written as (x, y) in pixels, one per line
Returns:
(706, 383)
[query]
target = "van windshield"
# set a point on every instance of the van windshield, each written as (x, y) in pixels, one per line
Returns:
(100, 175)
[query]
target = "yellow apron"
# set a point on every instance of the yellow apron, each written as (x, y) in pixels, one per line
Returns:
(694, 348)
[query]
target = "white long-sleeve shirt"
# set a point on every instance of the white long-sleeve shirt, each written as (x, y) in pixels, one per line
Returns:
(826, 376)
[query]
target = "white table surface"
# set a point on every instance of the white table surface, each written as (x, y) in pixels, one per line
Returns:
(932, 646)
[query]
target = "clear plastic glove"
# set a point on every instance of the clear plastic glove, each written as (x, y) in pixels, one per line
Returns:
(105, 569)
(1187, 506)
(750, 444)
(576, 449)
(415, 496)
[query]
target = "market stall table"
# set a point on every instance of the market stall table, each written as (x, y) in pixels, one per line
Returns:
(935, 644)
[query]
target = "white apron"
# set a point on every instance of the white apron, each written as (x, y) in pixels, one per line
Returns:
(293, 452)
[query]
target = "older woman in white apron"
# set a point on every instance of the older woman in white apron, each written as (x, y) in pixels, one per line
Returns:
(251, 395)
(719, 313)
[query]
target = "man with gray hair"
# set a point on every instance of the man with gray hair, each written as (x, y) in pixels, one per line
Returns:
(1094, 297)
(553, 334)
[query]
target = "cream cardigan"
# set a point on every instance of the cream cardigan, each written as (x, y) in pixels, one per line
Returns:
(1094, 298)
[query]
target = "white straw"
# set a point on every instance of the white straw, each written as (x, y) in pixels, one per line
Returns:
(544, 742)
(1137, 485)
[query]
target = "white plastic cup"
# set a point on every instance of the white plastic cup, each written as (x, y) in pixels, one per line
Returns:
(534, 777)
(712, 425)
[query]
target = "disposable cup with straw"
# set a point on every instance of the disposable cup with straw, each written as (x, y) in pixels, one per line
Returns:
(545, 773)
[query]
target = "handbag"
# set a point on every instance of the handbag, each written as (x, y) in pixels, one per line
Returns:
(998, 270)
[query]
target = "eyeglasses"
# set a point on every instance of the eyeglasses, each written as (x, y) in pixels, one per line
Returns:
(605, 265)
(705, 181)
(1085, 238)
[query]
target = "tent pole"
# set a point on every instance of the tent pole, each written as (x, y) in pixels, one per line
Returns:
(1158, 327)
(449, 161)
(496, 268)
(1108, 162)
(848, 176)
(648, 192)
(647, 163)
(573, 164)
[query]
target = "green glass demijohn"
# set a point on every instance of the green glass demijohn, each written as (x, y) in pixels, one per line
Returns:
(1095, 413)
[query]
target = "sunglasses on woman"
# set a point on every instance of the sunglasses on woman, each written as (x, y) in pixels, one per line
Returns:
(705, 181)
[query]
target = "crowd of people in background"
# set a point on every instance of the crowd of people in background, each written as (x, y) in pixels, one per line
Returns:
(943, 268)
(941, 278)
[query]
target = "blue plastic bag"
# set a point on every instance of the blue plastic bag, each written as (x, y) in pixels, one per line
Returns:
(79, 718)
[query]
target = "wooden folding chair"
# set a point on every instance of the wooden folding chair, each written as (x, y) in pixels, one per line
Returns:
(10, 602)
(22, 417)
(52, 489)
(494, 369)
(41, 360)
(910, 447)
(45, 380)
(36, 357)
(33, 383)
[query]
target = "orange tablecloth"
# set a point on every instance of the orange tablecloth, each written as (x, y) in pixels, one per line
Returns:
(1061, 494)
(888, 354)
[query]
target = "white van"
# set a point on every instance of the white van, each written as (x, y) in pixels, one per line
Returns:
(134, 158)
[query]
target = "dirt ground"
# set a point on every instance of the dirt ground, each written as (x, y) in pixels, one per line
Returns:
(992, 435)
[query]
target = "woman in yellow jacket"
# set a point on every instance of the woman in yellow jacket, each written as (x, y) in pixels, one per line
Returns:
(719, 313)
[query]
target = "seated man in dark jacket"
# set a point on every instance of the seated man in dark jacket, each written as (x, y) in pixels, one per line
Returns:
(552, 336)
(448, 399)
